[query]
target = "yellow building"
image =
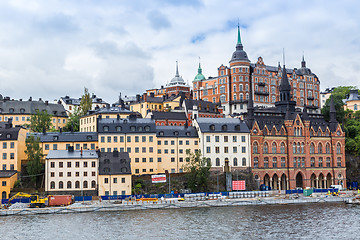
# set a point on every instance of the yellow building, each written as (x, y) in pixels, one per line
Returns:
(152, 149)
(8, 179)
(88, 121)
(12, 146)
(21, 111)
(114, 174)
(353, 101)
(62, 141)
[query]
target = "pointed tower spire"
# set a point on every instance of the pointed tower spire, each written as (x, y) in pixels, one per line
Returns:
(199, 69)
(177, 70)
(332, 110)
(288, 112)
(239, 37)
(250, 106)
(305, 115)
(303, 63)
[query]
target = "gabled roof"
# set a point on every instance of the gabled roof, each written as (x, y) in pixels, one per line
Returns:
(30, 107)
(168, 115)
(7, 173)
(7, 134)
(222, 125)
(138, 125)
(202, 106)
(176, 131)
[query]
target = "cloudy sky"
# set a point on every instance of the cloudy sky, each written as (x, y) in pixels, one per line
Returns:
(53, 48)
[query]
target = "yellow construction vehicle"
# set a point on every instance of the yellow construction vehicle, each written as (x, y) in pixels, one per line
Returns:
(35, 200)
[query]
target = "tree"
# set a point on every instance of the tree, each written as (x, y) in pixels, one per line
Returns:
(85, 102)
(40, 120)
(198, 171)
(73, 121)
(34, 156)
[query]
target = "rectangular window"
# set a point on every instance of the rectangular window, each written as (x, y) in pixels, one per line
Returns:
(77, 174)
(77, 146)
(108, 149)
(102, 139)
(109, 139)
(172, 151)
(92, 146)
(196, 142)
(172, 142)
(143, 138)
(151, 138)
(226, 138)
(181, 151)
(136, 138)
(159, 151)
(159, 159)
(55, 147)
(128, 149)
(159, 142)
(234, 149)
(123, 180)
(4, 156)
(187, 142)
(136, 149)
(180, 142)
(115, 180)
(69, 174)
(144, 170)
(61, 164)
(216, 138)
(226, 149)
(3, 183)
(217, 149)
(151, 159)
(243, 149)
(52, 164)
(136, 160)
(115, 139)
(128, 138)
(172, 159)
(208, 149)
(93, 164)
(243, 138)
(12, 156)
(93, 174)
(85, 164)
(12, 145)
(143, 149)
(102, 149)
(166, 151)
(106, 180)
(143, 159)
(4, 167)
(181, 159)
(47, 147)
(207, 138)
(77, 164)
(69, 164)
(234, 139)
(121, 139)
(165, 142)
(151, 149)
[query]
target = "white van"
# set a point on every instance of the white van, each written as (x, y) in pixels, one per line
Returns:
(339, 187)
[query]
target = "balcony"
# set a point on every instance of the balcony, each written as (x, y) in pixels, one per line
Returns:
(261, 84)
(310, 98)
(261, 93)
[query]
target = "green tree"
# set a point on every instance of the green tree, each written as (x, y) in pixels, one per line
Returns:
(85, 102)
(34, 156)
(40, 120)
(198, 171)
(73, 121)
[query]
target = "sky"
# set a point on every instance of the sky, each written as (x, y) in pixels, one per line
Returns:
(53, 48)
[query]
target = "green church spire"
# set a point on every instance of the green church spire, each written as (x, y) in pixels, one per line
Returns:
(239, 37)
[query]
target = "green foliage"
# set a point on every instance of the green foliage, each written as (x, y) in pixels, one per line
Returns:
(73, 121)
(198, 172)
(34, 156)
(85, 102)
(352, 131)
(40, 121)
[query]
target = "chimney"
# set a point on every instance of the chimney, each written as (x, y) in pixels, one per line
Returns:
(118, 117)
(152, 94)
(145, 97)
(20, 100)
(40, 99)
(115, 153)
(30, 99)
(81, 151)
(60, 129)
(137, 98)
(47, 102)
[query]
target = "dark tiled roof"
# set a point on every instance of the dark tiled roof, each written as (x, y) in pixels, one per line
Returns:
(176, 131)
(231, 125)
(114, 163)
(7, 173)
(66, 136)
(203, 106)
(76, 154)
(30, 107)
(169, 115)
(110, 110)
(7, 134)
(138, 125)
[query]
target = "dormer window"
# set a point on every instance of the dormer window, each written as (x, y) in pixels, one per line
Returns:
(8, 135)
(11, 110)
(188, 134)
(212, 127)
(105, 128)
(237, 128)
(118, 128)
(89, 137)
(176, 133)
(132, 128)
(224, 127)
(55, 138)
(140, 129)
(161, 133)
(22, 110)
(147, 128)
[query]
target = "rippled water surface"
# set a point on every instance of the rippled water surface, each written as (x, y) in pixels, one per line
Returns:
(307, 221)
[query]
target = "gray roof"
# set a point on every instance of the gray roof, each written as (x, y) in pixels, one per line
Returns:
(223, 125)
(169, 115)
(114, 163)
(203, 106)
(30, 107)
(176, 131)
(8, 133)
(66, 136)
(76, 154)
(7, 173)
(300, 71)
(136, 125)
(353, 95)
(109, 110)
(76, 101)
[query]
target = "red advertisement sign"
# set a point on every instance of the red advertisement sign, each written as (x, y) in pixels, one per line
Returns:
(158, 178)
(238, 185)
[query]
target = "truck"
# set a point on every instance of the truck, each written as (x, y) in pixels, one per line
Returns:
(60, 200)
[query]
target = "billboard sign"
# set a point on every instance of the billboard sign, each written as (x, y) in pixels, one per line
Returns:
(238, 185)
(158, 178)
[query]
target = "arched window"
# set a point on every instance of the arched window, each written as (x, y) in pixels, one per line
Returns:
(240, 87)
(320, 148)
(266, 162)
(235, 162)
(222, 89)
(300, 131)
(234, 88)
(222, 98)
(355, 107)
(241, 97)
(61, 185)
(85, 185)
(93, 184)
(52, 185)
(77, 184)
(312, 162)
(256, 162)
(338, 148)
(266, 148)
(320, 162)
(274, 162)
(298, 148)
(234, 97)
(217, 162)
(255, 148)
(338, 160)
(282, 148)
(302, 148)
(273, 149)
(283, 164)
(312, 148)
(327, 162)
(68, 185)
(243, 162)
(294, 147)
(327, 148)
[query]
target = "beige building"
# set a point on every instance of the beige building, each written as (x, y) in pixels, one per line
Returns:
(71, 172)
(21, 111)
(152, 149)
(7, 179)
(352, 102)
(114, 174)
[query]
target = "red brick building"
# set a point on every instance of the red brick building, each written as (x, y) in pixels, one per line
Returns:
(292, 148)
(232, 85)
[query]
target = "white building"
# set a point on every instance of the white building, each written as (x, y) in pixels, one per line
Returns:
(70, 171)
(325, 95)
(226, 141)
(71, 103)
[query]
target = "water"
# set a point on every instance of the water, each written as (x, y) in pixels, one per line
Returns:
(306, 221)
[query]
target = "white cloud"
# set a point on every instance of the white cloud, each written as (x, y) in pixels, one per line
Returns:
(55, 48)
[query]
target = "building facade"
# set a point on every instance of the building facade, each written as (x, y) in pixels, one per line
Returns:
(352, 102)
(232, 85)
(225, 141)
(70, 104)
(292, 148)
